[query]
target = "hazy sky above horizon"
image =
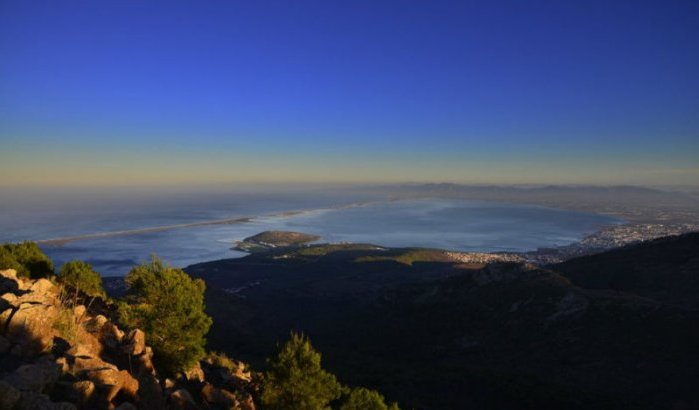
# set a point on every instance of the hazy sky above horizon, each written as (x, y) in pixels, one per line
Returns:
(184, 92)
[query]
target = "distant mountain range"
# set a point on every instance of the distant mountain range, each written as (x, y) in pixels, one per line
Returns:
(612, 330)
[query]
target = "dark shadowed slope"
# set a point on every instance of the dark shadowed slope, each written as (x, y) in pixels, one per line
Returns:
(434, 335)
(664, 269)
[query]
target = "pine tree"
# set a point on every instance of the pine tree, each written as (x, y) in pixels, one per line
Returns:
(360, 398)
(295, 379)
(168, 306)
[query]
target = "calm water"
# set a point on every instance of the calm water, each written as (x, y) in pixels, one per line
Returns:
(449, 224)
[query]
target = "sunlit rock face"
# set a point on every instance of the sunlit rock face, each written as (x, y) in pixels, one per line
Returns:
(56, 353)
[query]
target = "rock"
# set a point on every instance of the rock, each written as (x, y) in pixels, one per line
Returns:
(43, 290)
(83, 391)
(32, 327)
(79, 311)
(62, 364)
(33, 377)
(169, 383)
(111, 381)
(4, 345)
(144, 362)
(37, 401)
(136, 342)
(129, 384)
(150, 393)
(220, 397)
(194, 374)
(9, 281)
(247, 403)
(5, 316)
(9, 396)
(79, 350)
(9, 274)
(9, 298)
(181, 400)
(111, 336)
(96, 324)
(239, 374)
(126, 406)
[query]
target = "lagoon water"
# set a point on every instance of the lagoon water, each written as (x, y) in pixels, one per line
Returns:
(439, 223)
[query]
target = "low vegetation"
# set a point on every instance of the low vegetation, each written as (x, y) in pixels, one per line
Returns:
(360, 398)
(80, 277)
(410, 256)
(169, 306)
(27, 259)
(66, 325)
(325, 249)
(296, 381)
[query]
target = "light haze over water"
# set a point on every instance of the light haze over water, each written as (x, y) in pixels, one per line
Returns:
(438, 223)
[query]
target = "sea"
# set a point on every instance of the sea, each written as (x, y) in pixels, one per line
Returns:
(115, 232)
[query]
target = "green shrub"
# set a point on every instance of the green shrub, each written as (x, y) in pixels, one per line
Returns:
(27, 259)
(295, 379)
(364, 399)
(169, 306)
(7, 261)
(81, 277)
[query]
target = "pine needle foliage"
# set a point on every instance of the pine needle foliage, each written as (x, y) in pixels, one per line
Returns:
(168, 305)
(295, 379)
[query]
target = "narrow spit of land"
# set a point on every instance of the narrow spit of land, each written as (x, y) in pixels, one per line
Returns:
(228, 221)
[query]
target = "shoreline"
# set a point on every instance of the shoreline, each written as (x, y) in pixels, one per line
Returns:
(228, 221)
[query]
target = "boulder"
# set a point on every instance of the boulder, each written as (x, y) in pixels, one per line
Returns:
(10, 274)
(181, 400)
(79, 311)
(37, 401)
(32, 326)
(126, 406)
(62, 364)
(5, 316)
(169, 383)
(150, 393)
(144, 362)
(195, 374)
(9, 298)
(135, 342)
(95, 324)
(247, 403)
(111, 336)
(34, 377)
(82, 391)
(42, 290)
(239, 374)
(110, 382)
(219, 397)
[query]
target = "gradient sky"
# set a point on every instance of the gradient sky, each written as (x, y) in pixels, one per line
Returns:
(188, 92)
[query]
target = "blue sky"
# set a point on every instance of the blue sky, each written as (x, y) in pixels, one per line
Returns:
(181, 92)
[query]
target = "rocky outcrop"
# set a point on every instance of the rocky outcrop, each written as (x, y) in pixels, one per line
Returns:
(54, 355)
